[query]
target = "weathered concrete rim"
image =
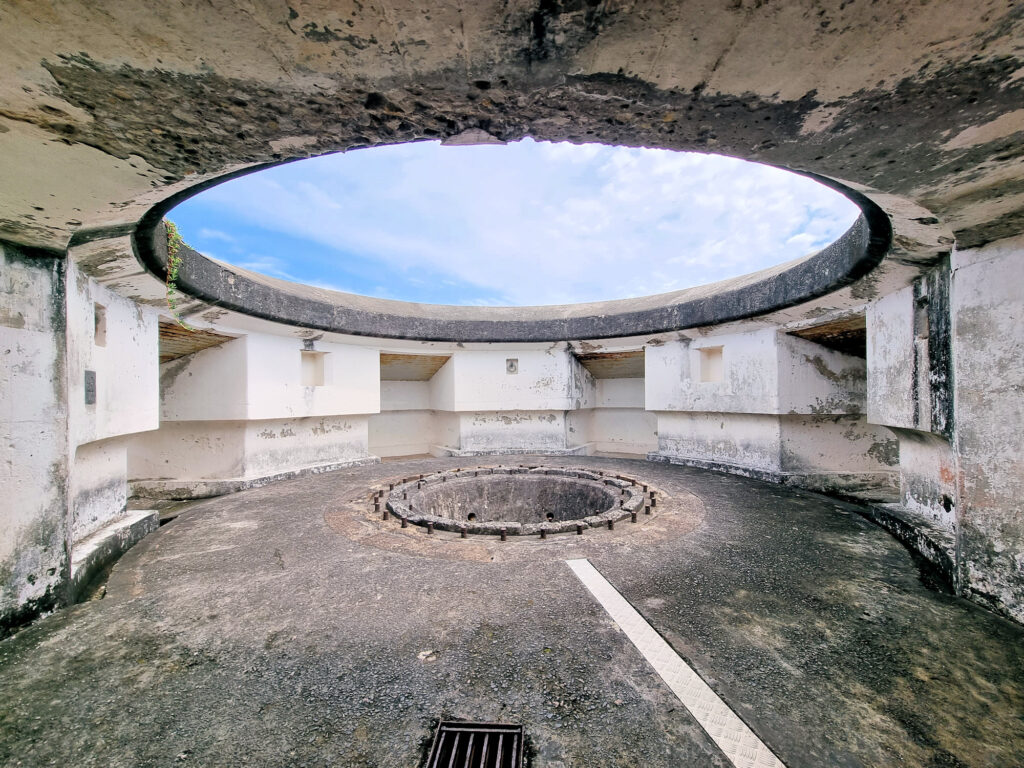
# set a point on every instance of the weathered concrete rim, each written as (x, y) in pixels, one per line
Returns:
(630, 501)
(859, 250)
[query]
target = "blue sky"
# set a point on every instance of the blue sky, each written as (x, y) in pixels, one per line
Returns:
(521, 224)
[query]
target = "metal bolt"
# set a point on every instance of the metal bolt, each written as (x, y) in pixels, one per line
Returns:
(430, 527)
(647, 509)
(543, 533)
(611, 525)
(391, 486)
(644, 486)
(579, 529)
(405, 494)
(405, 523)
(504, 535)
(654, 501)
(632, 517)
(386, 515)
(462, 532)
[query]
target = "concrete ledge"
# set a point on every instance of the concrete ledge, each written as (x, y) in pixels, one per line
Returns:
(935, 545)
(441, 451)
(208, 488)
(91, 554)
(859, 486)
(932, 544)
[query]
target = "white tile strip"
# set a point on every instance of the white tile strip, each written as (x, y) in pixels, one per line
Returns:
(731, 734)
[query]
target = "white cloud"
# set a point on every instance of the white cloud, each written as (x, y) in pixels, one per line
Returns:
(215, 234)
(545, 223)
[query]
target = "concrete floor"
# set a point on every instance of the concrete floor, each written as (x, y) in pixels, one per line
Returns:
(286, 626)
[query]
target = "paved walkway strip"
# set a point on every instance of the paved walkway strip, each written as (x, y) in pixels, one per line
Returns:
(743, 748)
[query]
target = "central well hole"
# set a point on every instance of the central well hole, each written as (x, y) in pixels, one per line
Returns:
(515, 498)
(515, 501)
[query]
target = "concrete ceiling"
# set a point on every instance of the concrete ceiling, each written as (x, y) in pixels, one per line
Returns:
(849, 335)
(108, 108)
(176, 341)
(614, 365)
(397, 367)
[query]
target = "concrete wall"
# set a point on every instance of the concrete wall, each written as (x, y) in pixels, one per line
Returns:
(840, 454)
(890, 361)
(187, 459)
(513, 432)
(258, 376)
(114, 340)
(33, 436)
(480, 380)
(123, 357)
(928, 422)
(402, 433)
(747, 443)
(944, 327)
(749, 381)
(623, 430)
(987, 303)
(99, 485)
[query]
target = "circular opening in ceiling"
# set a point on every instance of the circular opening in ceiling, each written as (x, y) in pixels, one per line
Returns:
(516, 500)
(525, 224)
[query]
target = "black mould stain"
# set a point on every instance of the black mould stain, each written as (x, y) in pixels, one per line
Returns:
(312, 31)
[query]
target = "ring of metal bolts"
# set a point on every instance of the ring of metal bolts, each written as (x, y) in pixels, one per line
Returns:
(633, 496)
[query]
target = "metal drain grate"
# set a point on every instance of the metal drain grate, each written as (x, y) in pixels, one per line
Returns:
(476, 745)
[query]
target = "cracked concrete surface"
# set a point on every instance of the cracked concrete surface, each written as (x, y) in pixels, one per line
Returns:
(287, 626)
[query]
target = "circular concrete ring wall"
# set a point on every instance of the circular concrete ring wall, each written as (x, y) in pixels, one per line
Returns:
(851, 257)
(515, 500)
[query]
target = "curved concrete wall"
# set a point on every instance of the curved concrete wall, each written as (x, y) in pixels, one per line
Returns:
(99, 134)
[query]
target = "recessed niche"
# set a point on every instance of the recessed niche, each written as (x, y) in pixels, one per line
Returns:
(711, 366)
(99, 320)
(312, 370)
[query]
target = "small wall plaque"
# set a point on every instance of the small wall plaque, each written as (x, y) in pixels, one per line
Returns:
(90, 387)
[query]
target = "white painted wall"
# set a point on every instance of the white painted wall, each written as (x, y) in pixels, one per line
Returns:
(447, 430)
(405, 396)
(623, 430)
(619, 393)
(988, 333)
(275, 389)
(127, 367)
(33, 431)
(258, 376)
(188, 451)
(928, 477)
(513, 431)
(548, 380)
(750, 375)
(740, 440)
(816, 380)
(442, 388)
(99, 483)
(890, 363)
(244, 450)
(402, 433)
(208, 385)
(285, 445)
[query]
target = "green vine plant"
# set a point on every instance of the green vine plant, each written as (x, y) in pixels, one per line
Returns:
(174, 261)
